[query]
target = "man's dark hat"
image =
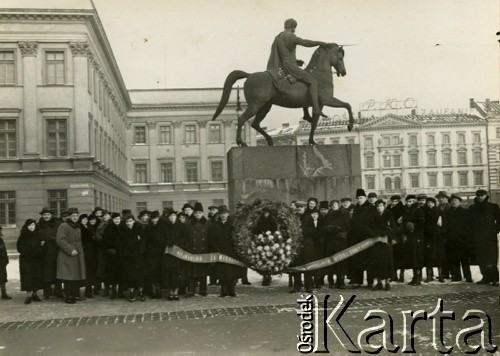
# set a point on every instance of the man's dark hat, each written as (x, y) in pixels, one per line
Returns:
(323, 204)
(441, 194)
(480, 192)
(315, 210)
(155, 214)
(411, 196)
(300, 203)
(213, 207)
(379, 201)
(72, 211)
(47, 210)
(198, 207)
(64, 213)
(98, 208)
(345, 199)
(115, 215)
(187, 205)
(421, 196)
(395, 197)
(223, 209)
(126, 211)
(360, 193)
(431, 199)
(128, 217)
(372, 195)
(142, 213)
(455, 196)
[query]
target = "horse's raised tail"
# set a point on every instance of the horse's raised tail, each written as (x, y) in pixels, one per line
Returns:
(226, 92)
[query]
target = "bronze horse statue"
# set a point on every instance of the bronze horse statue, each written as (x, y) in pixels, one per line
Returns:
(261, 93)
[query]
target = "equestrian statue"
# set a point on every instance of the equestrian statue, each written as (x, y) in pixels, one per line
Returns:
(285, 84)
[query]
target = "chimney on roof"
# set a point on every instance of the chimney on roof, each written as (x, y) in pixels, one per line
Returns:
(471, 103)
(285, 125)
(413, 112)
(487, 105)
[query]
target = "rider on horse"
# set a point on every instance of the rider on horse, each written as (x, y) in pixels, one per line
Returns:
(283, 56)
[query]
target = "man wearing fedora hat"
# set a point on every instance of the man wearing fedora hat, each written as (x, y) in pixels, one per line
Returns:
(458, 237)
(70, 258)
(47, 227)
(486, 226)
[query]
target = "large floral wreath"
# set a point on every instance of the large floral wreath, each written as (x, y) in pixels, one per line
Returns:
(267, 252)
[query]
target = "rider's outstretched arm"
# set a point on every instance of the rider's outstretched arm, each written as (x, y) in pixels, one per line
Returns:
(309, 43)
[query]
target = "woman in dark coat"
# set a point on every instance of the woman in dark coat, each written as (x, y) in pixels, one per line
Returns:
(434, 242)
(29, 246)
(221, 240)
(102, 223)
(110, 238)
(153, 235)
(335, 226)
(380, 224)
(413, 229)
(131, 248)
(171, 266)
(4, 261)
(312, 246)
(47, 227)
(90, 252)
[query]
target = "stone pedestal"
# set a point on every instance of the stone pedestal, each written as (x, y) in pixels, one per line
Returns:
(286, 173)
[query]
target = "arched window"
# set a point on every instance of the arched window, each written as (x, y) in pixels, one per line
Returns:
(397, 183)
(388, 183)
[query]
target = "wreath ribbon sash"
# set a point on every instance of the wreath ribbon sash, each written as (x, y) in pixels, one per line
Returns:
(215, 257)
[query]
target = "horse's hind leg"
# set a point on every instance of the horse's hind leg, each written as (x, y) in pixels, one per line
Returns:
(251, 110)
(261, 114)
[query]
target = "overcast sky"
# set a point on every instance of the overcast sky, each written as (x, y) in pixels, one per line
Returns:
(439, 52)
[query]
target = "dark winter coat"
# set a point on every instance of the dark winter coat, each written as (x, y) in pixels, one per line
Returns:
(4, 261)
(90, 250)
(360, 217)
(197, 242)
(110, 238)
(29, 246)
(334, 229)
(69, 238)
(413, 229)
(458, 232)
(131, 249)
(221, 240)
(154, 234)
(174, 235)
(433, 237)
(101, 253)
(379, 255)
(48, 232)
(485, 218)
(313, 240)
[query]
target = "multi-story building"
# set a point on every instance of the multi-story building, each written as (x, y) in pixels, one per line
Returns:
(71, 134)
(490, 110)
(411, 153)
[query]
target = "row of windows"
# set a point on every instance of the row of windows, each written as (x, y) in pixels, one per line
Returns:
(190, 136)
(395, 160)
(166, 172)
(54, 68)
(395, 184)
(168, 204)
(431, 139)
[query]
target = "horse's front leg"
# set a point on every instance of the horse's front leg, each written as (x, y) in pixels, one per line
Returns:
(336, 103)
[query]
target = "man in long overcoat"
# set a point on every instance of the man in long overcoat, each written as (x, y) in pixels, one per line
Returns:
(70, 258)
(458, 239)
(221, 240)
(47, 227)
(197, 242)
(485, 218)
(413, 229)
(360, 217)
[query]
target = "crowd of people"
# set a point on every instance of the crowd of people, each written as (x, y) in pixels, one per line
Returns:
(119, 256)
(433, 234)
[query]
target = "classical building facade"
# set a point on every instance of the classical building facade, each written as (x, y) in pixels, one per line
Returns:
(490, 110)
(71, 134)
(404, 154)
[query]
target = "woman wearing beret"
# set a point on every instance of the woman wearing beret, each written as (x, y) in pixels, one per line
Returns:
(29, 246)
